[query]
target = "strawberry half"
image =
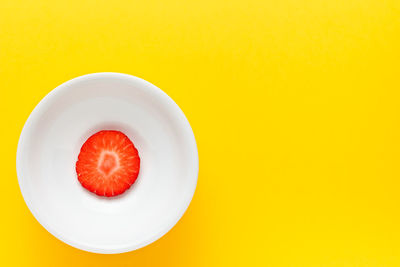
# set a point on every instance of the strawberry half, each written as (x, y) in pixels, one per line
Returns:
(108, 163)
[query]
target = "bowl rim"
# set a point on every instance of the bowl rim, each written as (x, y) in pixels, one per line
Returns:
(183, 122)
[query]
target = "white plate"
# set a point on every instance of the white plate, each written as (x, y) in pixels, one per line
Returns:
(49, 146)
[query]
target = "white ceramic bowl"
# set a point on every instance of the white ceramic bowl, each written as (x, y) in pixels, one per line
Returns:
(49, 146)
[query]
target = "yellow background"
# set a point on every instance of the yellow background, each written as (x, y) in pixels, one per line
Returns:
(295, 106)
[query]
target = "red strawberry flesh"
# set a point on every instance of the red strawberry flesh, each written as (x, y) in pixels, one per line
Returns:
(108, 163)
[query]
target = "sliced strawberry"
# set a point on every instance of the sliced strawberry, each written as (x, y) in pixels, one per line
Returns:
(108, 163)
